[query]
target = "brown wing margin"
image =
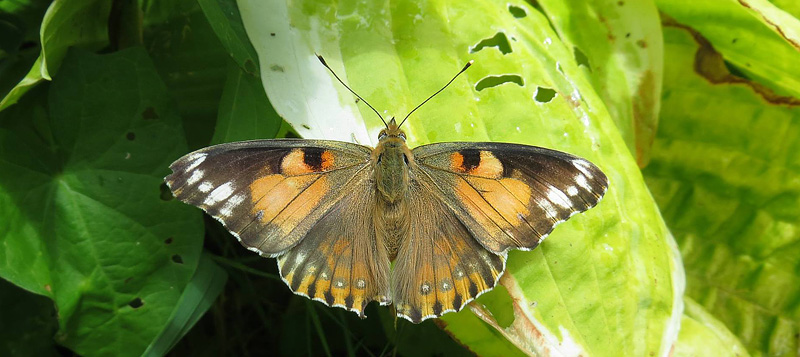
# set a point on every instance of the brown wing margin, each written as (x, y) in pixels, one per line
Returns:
(267, 193)
(510, 196)
(341, 262)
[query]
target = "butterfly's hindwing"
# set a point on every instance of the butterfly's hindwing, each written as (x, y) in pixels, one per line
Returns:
(341, 262)
(440, 266)
(268, 193)
(509, 196)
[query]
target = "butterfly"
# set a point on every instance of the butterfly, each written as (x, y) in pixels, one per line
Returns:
(426, 229)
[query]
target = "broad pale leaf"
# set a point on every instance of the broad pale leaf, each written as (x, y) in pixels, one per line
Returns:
(606, 282)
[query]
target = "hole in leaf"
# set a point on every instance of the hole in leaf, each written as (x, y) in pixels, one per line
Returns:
(168, 240)
(130, 136)
(499, 40)
(517, 11)
(276, 68)
(581, 58)
(250, 67)
(177, 259)
(166, 194)
(136, 303)
(544, 95)
(494, 81)
(149, 114)
(272, 34)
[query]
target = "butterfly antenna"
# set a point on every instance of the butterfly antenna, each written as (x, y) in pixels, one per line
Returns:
(351, 91)
(437, 92)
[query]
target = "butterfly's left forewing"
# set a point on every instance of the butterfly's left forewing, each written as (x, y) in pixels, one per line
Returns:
(269, 193)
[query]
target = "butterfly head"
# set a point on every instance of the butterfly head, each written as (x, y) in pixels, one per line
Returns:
(392, 132)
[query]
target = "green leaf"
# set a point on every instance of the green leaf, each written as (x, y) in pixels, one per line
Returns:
(19, 48)
(703, 335)
(606, 282)
(82, 24)
(80, 183)
(206, 284)
(619, 45)
(725, 174)
(223, 15)
(748, 43)
(245, 112)
(29, 322)
(191, 61)
(790, 6)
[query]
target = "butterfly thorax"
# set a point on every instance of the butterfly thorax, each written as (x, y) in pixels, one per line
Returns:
(391, 160)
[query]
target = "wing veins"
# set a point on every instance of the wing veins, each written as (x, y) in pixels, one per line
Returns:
(514, 239)
(444, 193)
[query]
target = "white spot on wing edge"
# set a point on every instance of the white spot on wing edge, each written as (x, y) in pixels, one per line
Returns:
(581, 181)
(194, 177)
(205, 187)
(196, 159)
(583, 167)
(572, 191)
(220, 193)
(548, 208)
(232, 202)
(556, 196)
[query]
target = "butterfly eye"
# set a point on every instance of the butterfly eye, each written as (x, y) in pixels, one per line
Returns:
(381, 135)
(403, 136)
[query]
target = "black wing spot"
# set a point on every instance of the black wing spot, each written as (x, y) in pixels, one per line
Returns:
(473, 289)
(312, 157)
(415, 314)
(457, 301)
(437, 308)
(312, 289)
(472, 159)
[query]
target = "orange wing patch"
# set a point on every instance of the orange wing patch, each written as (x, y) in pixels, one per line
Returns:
(284, 201)
(304, 161)
(477, 163)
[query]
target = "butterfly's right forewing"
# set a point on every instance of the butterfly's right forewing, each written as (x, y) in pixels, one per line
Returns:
(268, 193)
(509, 196)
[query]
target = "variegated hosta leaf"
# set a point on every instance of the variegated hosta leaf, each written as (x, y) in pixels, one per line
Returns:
(724, 171)
(608, 281)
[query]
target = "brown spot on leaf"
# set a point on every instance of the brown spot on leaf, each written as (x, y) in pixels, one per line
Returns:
(710, 64)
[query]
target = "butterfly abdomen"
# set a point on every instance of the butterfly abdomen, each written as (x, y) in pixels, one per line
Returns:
(391, 224)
